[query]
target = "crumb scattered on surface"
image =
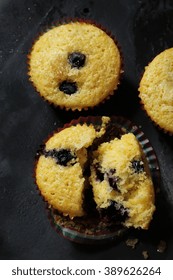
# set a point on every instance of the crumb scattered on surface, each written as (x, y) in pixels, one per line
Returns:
(132, 242)
(161, 246)
(145, 254)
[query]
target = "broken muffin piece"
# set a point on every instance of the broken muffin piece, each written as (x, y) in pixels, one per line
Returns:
(121, 179)
(61, 164)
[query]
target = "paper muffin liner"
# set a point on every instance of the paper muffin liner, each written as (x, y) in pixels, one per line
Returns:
(95, 230)
(92, 22)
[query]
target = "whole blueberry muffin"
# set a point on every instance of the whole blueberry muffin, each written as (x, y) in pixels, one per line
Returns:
(156, 90)
(75, 65)
(122, 185)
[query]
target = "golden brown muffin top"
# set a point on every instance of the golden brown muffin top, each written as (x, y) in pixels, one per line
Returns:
(75, 65)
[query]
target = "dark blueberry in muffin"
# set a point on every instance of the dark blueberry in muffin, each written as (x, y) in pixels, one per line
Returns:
(76, 59)
(113, 179)
(112, 171)
(68, 87)
(113, 182)
(62, 156)
(99, 174)
(40, 151)
(115, 211)
(138, 166)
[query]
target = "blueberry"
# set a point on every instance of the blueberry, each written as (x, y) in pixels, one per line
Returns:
(112, 179)
(61, 156)
(115, 211)
(118, 211)
(110, 176)
(113, 182)
(40, 151)
(68, 87)
(99, 174)
(76, 59)
(138, 166)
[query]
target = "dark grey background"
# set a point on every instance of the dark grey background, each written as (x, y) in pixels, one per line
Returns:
(143, 29)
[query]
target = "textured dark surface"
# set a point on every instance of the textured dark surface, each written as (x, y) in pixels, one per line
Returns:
(143, 29)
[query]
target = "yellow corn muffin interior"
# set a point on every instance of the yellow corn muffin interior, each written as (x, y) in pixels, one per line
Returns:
(156, 90)
(75, 65)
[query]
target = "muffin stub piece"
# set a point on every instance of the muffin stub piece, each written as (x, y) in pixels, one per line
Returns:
(60, 167)
(156, 90)
(122, 185)
(75, 65)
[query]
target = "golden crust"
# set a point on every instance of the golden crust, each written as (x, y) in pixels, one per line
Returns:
(156, 90)
(48, 65)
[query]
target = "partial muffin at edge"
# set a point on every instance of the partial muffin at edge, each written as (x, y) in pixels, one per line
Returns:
(156, 90)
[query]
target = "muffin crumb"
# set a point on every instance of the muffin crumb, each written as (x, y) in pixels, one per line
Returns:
(145, 254)
(132, 242)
